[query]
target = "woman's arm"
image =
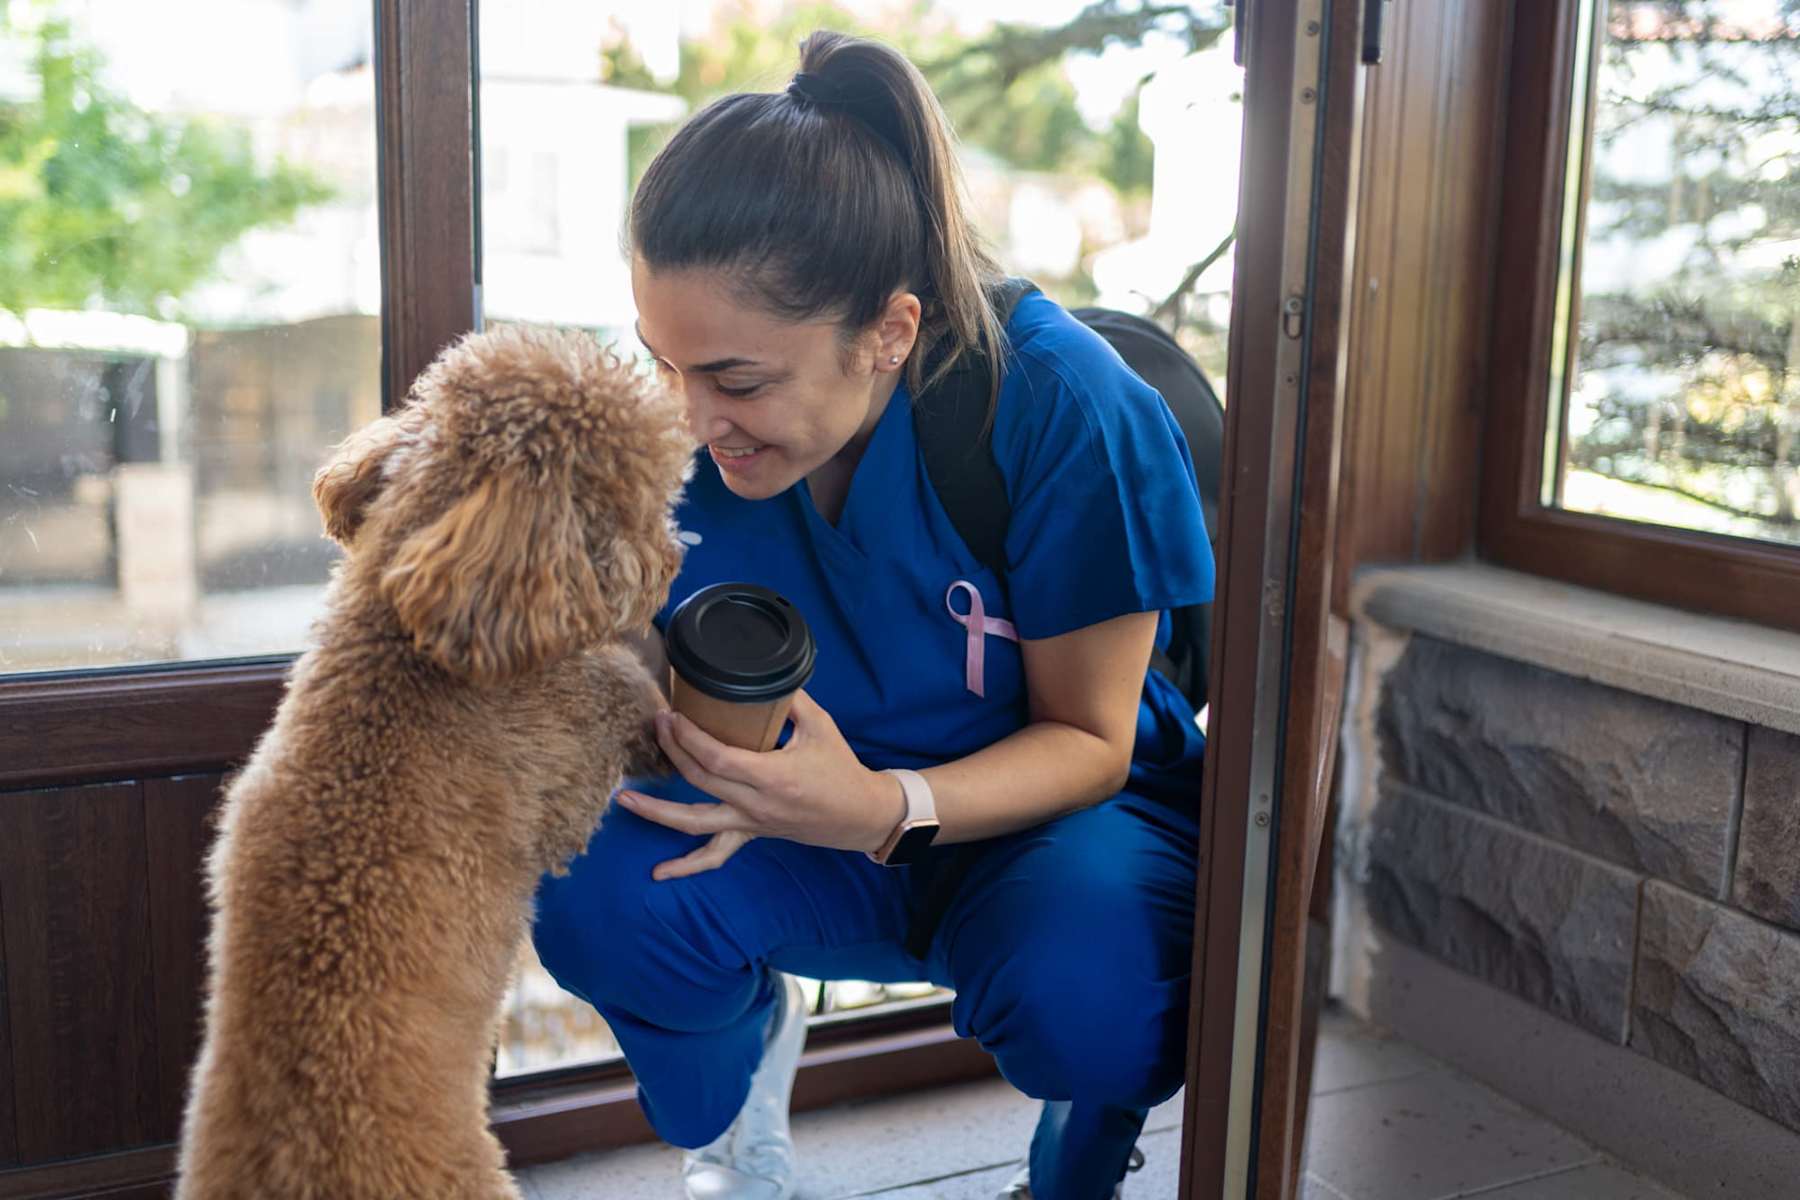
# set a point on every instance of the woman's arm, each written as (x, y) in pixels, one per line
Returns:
(1083, 689)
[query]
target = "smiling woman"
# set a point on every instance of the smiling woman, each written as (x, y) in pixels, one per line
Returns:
(800, 320)
(1059, 173)
(774, 401)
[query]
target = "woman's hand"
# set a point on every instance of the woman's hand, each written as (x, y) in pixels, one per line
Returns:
(812, 790)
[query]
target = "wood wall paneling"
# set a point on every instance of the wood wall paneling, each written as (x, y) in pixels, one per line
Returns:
(98, 726)
(178, 827)
(1468, 174)
(1422, 287)
(129, 1175)
(9, 1142)
(77, 948)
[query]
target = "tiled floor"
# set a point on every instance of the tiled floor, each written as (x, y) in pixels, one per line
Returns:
(1388, 1123)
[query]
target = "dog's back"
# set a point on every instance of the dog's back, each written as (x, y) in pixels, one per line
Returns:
(367, 884)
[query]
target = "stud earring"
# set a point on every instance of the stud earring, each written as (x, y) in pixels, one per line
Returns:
(893, 358)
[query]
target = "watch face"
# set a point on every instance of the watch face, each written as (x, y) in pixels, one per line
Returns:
(912, 844)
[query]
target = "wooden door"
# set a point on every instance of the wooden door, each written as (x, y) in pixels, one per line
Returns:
(1278, 651)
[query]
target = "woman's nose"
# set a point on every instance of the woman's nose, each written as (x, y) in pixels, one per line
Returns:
(705, 425)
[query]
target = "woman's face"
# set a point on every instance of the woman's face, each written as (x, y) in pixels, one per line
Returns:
(773, 400)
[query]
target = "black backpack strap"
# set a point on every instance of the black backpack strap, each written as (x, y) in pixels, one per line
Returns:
(951, 422)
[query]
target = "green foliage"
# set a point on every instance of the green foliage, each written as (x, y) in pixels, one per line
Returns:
(1129, 154)
(1010, 51)
(104, 203)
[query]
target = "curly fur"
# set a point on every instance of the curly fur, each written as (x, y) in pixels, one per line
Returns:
(456, 732)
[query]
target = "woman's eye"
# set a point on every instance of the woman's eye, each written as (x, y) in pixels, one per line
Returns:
(739, 392)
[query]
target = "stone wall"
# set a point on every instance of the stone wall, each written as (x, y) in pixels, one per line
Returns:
(1628, 864)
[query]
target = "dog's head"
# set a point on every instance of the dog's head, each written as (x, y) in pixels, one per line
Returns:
(519, 507)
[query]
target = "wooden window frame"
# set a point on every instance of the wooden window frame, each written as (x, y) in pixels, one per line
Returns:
(1734, 577)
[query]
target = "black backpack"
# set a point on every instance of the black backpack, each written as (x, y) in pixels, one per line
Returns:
(952, 426)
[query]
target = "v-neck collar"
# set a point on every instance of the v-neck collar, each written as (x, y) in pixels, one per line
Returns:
(845, 529)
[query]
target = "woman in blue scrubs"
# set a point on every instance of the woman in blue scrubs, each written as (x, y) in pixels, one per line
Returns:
(803, 267)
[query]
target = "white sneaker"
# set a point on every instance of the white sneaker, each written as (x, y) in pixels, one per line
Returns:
(754, 1158)
(1019, 1186)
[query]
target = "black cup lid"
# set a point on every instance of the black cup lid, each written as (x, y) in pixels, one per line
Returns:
(737, 641)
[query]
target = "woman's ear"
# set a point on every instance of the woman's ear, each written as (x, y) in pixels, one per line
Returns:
(500, 584)
(352, 477)
(896, 331)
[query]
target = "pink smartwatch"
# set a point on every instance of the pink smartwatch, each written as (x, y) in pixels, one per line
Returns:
(917, 829)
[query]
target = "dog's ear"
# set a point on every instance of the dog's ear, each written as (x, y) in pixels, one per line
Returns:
(501, 583)
(344, 486)
(637, 568)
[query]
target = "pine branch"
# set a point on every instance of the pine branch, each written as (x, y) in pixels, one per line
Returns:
(1011, 51)
(1171, 304)
(1771, 113)
(1681, 329)
(1618, 38)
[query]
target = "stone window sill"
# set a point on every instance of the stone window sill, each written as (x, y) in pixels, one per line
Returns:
(1715, 664)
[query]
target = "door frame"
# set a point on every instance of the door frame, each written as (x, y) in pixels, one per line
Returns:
(1276, 678)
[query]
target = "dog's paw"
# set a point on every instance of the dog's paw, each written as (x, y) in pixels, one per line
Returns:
(644, 757)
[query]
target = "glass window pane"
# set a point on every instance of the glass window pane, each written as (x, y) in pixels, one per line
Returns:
(189, 298)
(1105, 168)
(1682, 404)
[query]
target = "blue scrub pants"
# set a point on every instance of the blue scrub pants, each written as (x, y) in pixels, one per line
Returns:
(1068, 945)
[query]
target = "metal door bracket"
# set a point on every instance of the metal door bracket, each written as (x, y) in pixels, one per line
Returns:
(1293, 317)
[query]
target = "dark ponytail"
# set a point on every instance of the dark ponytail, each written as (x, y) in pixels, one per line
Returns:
(826, 199)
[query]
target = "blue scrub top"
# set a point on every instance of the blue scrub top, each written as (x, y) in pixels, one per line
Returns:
(1106, 521)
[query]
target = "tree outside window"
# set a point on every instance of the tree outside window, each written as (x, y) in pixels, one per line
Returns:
(1683, 401)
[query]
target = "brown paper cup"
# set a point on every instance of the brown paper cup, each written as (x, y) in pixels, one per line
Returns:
(753, 726)
(737, 654)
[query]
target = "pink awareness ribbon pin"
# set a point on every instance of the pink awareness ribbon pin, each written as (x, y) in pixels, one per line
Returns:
(980, 626)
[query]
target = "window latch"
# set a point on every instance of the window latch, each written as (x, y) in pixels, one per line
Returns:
(1374, 21)
(1293, 317)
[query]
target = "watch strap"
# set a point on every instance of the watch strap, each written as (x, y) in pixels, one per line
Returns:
(921, 809)
(921, 805)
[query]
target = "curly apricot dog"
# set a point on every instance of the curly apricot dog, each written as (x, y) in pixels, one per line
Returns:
(456, 731)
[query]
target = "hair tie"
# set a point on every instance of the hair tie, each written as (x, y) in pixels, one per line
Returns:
(816, 89)
(826, 93)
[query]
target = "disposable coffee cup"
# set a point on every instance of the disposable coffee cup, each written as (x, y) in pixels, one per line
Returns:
(737, 654)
